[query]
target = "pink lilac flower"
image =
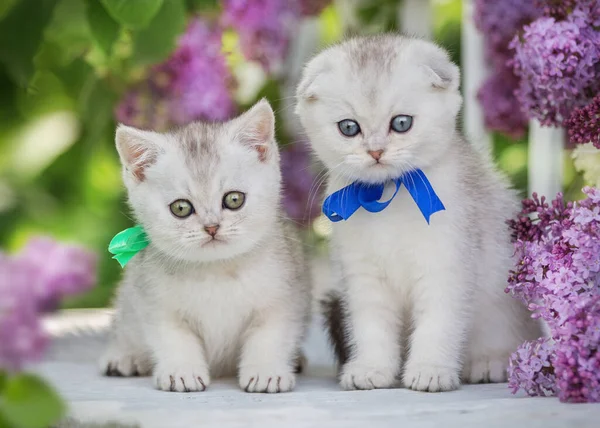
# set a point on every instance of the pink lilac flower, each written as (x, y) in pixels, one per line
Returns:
(501, 109)
(584, 124)
(31, 283)
(530, 369)
(265, 28)
(301, 200)
(193, 83)
(558, 63)
(557, 274)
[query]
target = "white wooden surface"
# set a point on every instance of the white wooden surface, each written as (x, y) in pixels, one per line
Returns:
(317, 400)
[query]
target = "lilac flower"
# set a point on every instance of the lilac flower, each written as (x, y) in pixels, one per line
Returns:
(193, 83)
(301, 200)
(557, 274)
(558, 63)
(501, 109)
(264, 26)
(530, 369)
(584, 124)
(31, 283)
(313, 7)
(499, 21)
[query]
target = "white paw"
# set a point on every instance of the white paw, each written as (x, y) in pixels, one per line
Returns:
(359, 376)
(265, 379)
(430, 378)
(183, 378)
(485, 370)
(116, 364)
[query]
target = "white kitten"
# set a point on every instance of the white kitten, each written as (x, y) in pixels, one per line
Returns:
(221, 287)
(430, 294)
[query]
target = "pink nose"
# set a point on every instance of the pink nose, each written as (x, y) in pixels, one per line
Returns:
(212, 230)
(375, 154)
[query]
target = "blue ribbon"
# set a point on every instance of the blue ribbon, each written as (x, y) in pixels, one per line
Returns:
(343, 203)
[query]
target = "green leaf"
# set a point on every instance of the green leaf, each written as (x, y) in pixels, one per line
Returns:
(132, 13)
(21, 33)
(6, 6)
(155, 42)
(202, 5)
(29, 402)
(104, 29)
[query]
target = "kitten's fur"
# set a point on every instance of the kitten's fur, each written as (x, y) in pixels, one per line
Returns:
(432, 295)
(189, 309)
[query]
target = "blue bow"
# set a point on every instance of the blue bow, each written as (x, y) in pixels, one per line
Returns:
(343, 203)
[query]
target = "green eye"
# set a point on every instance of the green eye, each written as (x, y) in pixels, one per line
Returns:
(182, 208)
(234, 200)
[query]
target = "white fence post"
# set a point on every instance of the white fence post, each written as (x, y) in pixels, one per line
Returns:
(546, 150)
(415, 18)
(475, 71)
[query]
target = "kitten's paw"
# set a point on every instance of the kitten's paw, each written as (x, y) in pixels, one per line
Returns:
(359, 376)
(430, 378)
(485, 370)
(265, 379)
(181, 379)
(115, 364)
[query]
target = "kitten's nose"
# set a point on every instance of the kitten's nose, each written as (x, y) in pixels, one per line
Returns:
(375, 154)
(212, 229)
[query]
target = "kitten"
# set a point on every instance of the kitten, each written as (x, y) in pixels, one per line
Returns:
(429, 295)
(221, 288)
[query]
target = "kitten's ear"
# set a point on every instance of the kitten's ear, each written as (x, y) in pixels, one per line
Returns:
(443, 73)
(256, 128)
(137, 149)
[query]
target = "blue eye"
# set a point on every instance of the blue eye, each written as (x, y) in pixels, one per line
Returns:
(401, 123)
(349, 127)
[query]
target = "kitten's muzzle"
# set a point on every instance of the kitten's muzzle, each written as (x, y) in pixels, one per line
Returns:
(212, 229)
(375, 154)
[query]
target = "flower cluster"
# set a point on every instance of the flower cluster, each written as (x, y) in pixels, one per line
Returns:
(193, 83)
(584, 124)
(501, 109)
(264, 28)
(558, 276)
(300, 199)
(558, 63)
(499, 21)
(32, 283)
(530, 369)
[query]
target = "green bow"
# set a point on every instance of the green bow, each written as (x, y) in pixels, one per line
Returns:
(127, 244)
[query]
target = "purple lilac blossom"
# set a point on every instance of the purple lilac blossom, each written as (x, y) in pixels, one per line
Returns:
(530, 368)
(557, 275)
(499, 21)
(501, 109)
(264, 27)
(193, 83)
(32, 283)
(301, 198)
(558, 63)
(584, 124)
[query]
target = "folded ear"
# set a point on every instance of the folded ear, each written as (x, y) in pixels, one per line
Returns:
(256, 129)
(137, 149)
(442, 72)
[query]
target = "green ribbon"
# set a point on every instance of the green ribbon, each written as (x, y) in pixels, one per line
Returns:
(128, 243)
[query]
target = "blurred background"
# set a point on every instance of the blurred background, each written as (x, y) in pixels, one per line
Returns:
(70, 70)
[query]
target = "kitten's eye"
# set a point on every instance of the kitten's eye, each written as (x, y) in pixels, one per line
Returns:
(348, 127)
(401, 123)
(182, 208)
(234, 200)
